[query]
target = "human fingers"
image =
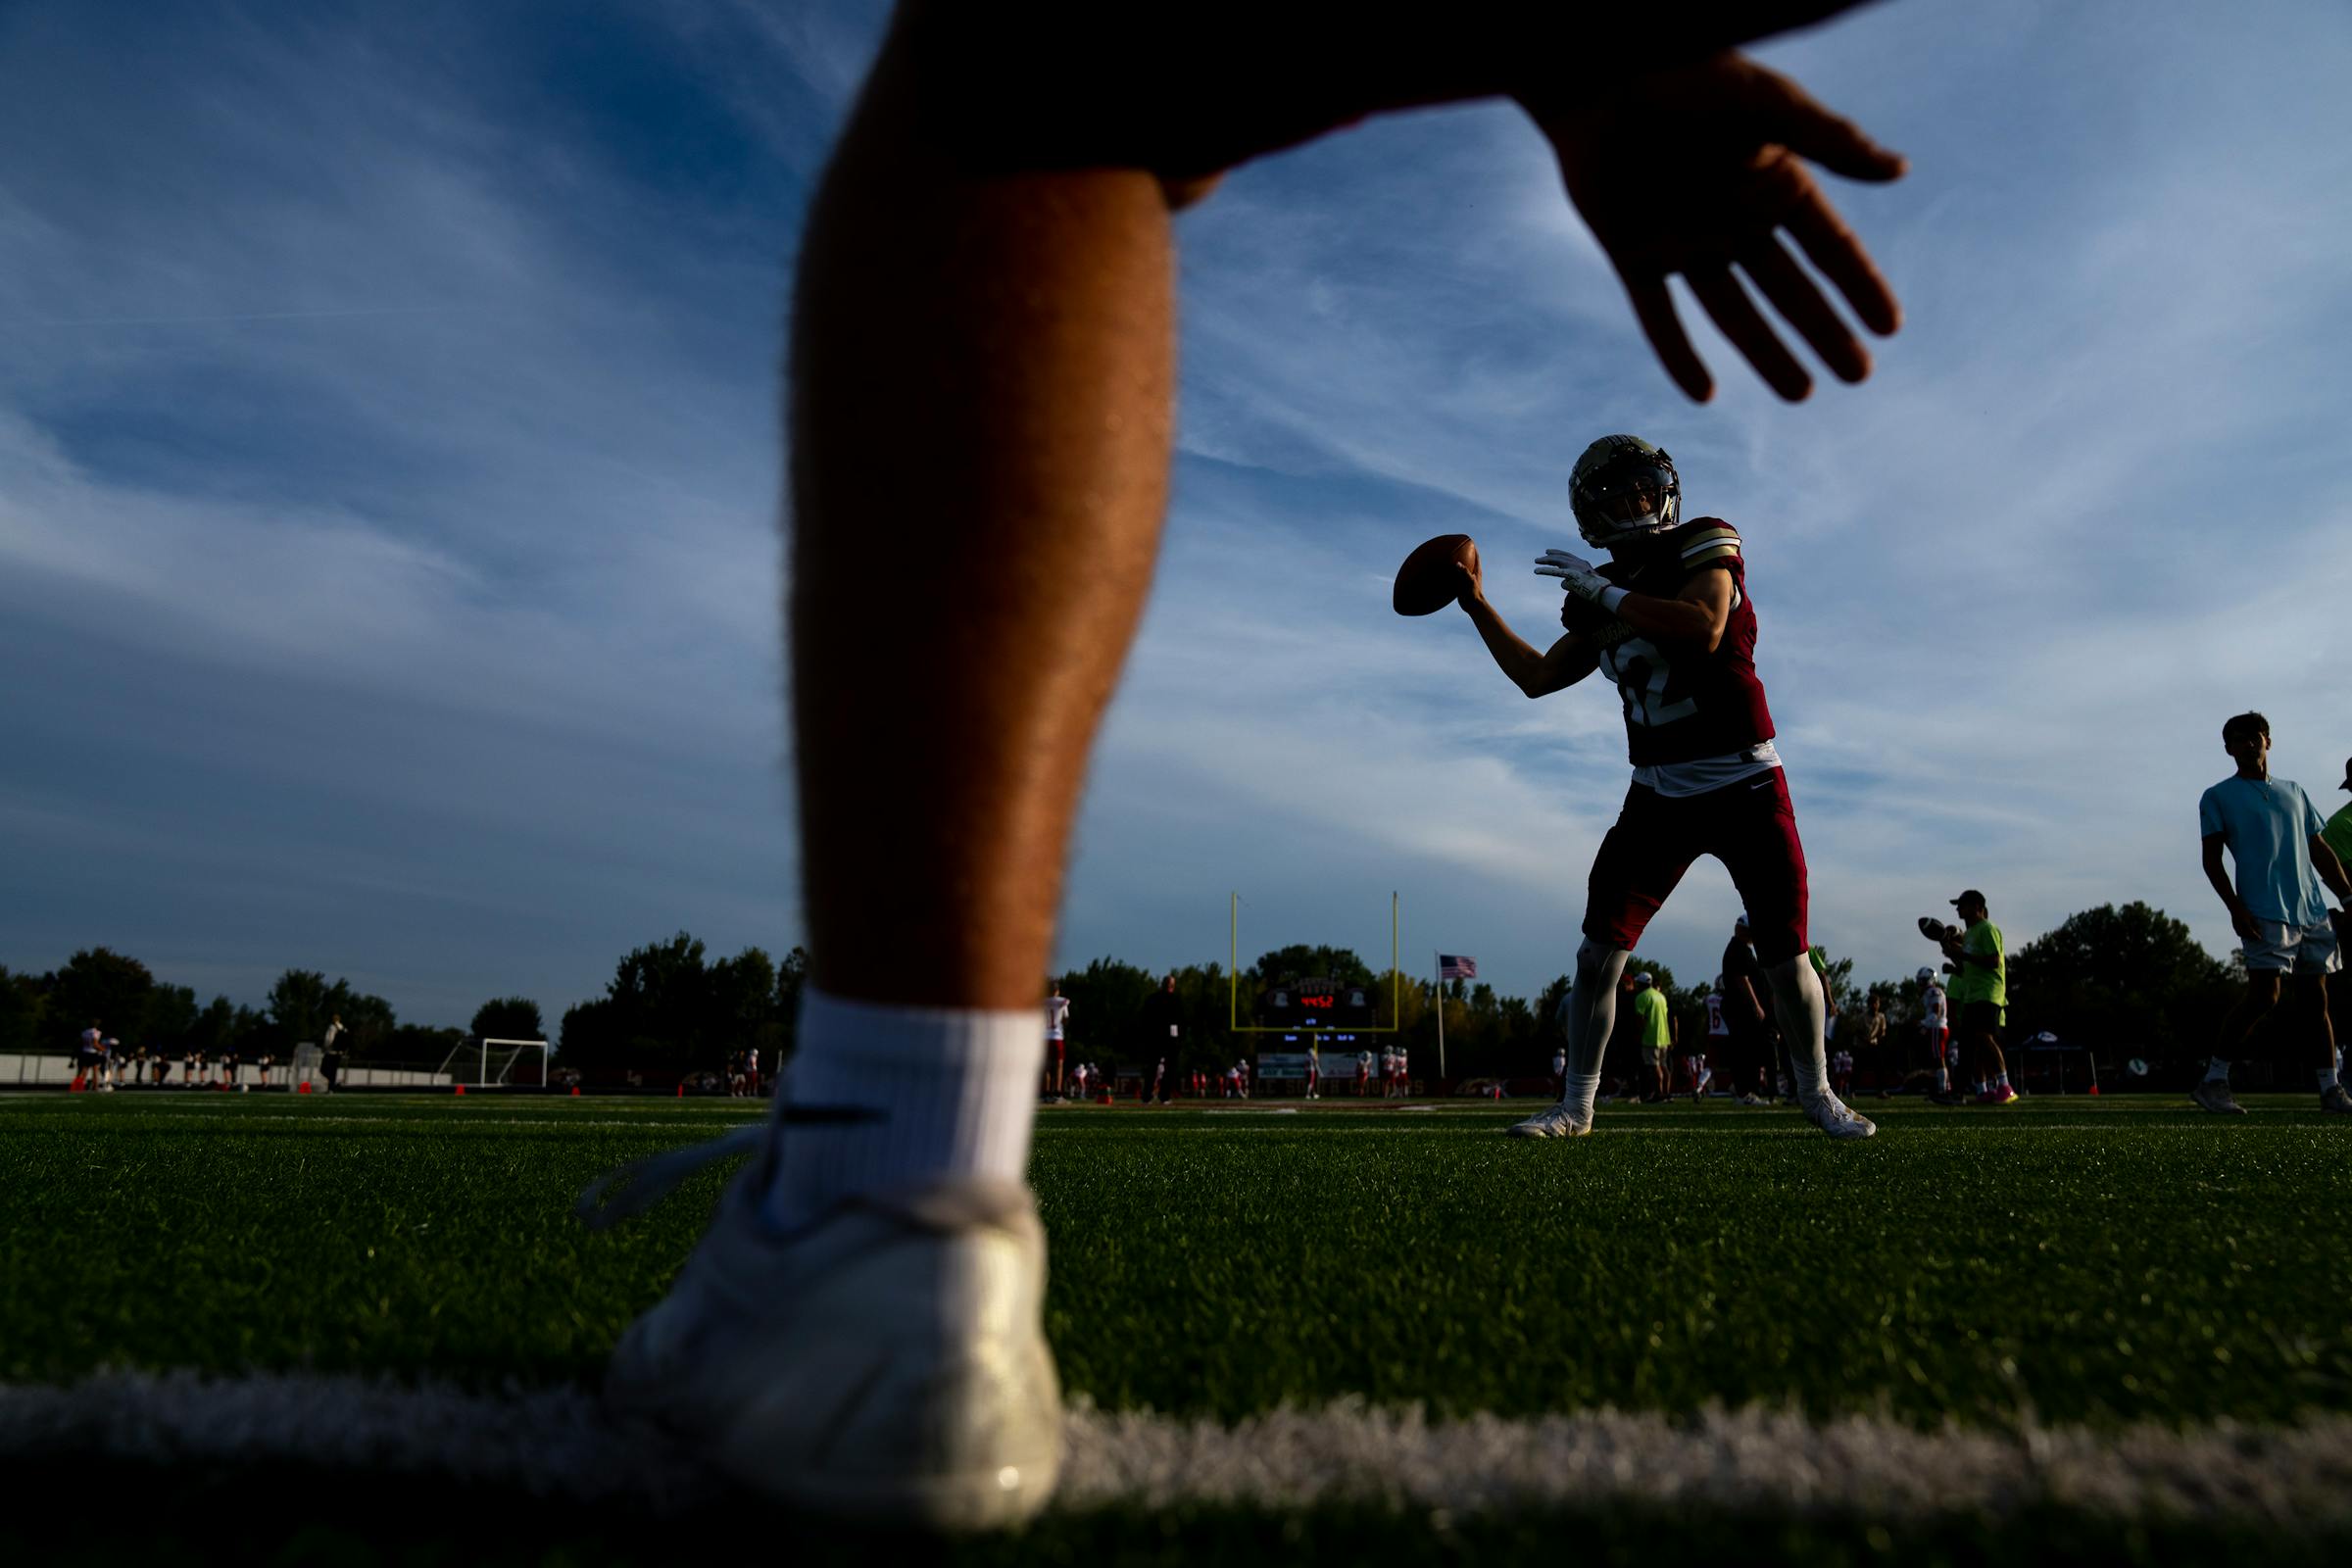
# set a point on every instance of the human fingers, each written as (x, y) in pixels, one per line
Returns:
(1799, 299)
(1737, 319)
(1798, 122)
(1838, 252)
(1654, 308)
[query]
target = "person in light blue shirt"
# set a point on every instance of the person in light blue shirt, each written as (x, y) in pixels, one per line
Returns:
(2273, 833)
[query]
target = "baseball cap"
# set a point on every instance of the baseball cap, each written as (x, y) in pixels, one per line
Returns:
(1971, 896)
(1644, 979)
(1740, 924)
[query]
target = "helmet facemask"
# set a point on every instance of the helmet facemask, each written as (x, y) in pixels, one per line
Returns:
(1624, 489)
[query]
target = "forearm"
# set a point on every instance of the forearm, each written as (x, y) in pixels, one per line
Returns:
(1185, 91)
(2332, 870)
(1516, 657)
(2220, 878)
(1669, 619)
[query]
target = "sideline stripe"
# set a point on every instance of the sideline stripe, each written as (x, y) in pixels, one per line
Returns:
(555, 1443)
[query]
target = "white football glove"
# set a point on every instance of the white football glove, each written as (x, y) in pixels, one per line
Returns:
(1575, 572)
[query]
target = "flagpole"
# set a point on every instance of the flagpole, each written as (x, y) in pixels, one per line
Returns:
(1441, 957)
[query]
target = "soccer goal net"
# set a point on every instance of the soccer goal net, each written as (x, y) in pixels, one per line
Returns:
(498, 1063)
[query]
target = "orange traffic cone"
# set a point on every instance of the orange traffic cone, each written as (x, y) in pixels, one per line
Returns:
(575, 1091)
(303, 1088)
(74, 1088)
(460, 1089)
(681, 1090)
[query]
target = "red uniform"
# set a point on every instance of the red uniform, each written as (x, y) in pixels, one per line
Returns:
(1685, 704)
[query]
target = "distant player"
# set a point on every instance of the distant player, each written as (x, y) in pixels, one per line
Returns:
(1363, 1072)
(1935, 1028)
(1669, 618)
(1559, 1071)
(2273, 833)
(1841, 1070)
(1057, 1012)
(1405, 1071)
(1314, 1065)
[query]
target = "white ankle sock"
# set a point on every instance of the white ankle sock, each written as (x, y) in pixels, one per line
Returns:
(2217, 1071)
(1582, 1088)
(2327, 1079)
(879, 1099)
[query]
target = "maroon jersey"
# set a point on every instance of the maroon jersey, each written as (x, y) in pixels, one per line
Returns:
(1681, 702)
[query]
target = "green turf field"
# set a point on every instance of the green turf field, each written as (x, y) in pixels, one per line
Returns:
(2108, 1263)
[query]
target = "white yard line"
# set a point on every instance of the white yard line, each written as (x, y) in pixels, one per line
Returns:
(556, 1444)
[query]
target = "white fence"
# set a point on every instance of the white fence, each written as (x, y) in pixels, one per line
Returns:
(30, 1070)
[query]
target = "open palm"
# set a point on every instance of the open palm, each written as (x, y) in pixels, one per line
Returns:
(1702, 169)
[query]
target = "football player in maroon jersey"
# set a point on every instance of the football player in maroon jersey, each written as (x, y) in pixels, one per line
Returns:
(1669, 619)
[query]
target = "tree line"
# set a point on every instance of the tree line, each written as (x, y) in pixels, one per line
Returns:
(47, 1013)
(2122, 981)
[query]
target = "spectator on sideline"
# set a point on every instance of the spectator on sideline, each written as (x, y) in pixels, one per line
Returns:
(1872, 1033)
(330, 1053)
(1752, 1033)
(1559, 1070)
(1981, 988)
(1057, 1011)
(1363, 1072)
(2274, 835)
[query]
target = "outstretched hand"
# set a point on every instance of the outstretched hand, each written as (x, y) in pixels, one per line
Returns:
(1697, 170)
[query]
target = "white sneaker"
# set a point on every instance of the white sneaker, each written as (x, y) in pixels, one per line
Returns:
(887, 1362)
(1838, 1119)
(1554, 1121)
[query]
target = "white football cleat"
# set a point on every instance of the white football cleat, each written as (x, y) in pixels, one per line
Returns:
(1552, 1122)
(887, 1362)
(2213, 1093)
(1838, 1119)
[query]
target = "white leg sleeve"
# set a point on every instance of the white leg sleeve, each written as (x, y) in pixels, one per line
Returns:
(1797, 1002)
(1587, 1015)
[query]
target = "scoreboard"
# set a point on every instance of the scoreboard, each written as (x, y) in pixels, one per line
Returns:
(1317, 1003)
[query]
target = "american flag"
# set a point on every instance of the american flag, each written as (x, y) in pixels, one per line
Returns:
(1454, 966)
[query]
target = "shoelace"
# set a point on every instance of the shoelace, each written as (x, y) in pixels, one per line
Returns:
(639, 1185)
(628, 1191)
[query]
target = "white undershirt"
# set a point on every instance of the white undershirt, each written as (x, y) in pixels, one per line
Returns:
(1674, 780)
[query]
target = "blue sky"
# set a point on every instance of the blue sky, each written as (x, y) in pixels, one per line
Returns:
(388, 469)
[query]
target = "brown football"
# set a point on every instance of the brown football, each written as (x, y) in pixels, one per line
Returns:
(1433, 576)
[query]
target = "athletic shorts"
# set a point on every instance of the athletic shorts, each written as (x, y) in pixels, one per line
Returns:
(2301, 950)
(1656, 1055)
(1980, 1018)
(1749, 826)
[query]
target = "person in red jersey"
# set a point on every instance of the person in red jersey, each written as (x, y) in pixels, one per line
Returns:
(1668, 618)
